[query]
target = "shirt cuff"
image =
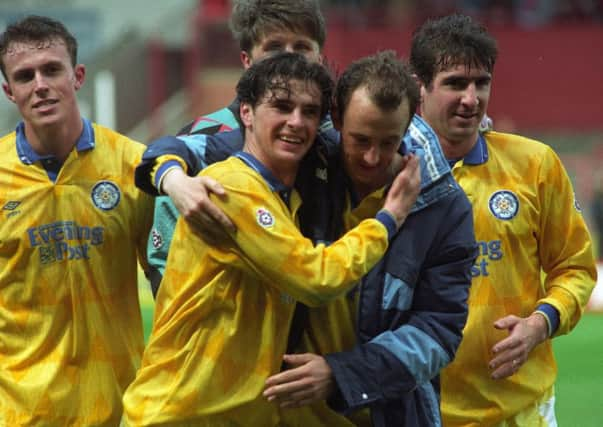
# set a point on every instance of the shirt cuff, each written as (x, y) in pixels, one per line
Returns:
(387, 219)
(551, 315)
(162, 172)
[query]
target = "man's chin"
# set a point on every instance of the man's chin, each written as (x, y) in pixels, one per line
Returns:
(461, 133)
(48, 121)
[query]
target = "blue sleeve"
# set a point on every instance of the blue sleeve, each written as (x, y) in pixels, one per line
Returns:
(552, 317)
(388, 222)
(424, 336)
(197, 151)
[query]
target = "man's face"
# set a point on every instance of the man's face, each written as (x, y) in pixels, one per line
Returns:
(42, 82)
(371, 138)
(455, 103)
(282, 41)
(281, 128)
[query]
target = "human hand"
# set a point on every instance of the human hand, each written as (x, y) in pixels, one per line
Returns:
(404, 190)
(512, 352)
(309, 380)
(191, 197)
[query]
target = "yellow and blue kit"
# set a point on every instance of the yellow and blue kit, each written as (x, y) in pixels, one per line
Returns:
(198, 144)
(223, 313)
(70, 325)
(428, 275)
(527, 222)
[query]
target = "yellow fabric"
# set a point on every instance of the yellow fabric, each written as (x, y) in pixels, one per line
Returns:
(539, 414)
(70, 326)
(547, 233)
(223, 314)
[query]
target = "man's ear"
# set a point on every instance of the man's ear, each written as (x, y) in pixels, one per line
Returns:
(245, 59)
(8, 92)
(246, 112)
(420, 85)
(79, 73)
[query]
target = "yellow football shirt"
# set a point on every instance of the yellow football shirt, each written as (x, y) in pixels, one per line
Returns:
(526, 221)
(223, 313)
(70, 325)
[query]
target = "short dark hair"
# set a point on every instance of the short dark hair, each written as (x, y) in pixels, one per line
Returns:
(440, 44)
(388, 80)
(250, 20)
(35, 28)
(277, 71)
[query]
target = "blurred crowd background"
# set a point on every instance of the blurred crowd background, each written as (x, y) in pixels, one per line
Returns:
(152, 65)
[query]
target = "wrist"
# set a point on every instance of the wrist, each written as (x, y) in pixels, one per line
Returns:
(540, 321)
(169, 176)
(389, 221)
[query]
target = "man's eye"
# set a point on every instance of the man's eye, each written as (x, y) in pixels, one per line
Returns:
(302, 47)
(457, 84)
(312, 112)
(362, 140)
(482, 83)
(282, 106)
(270, 47)
(24, 76)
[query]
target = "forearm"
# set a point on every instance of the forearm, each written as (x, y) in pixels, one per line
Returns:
(185, 152)
(365, 375)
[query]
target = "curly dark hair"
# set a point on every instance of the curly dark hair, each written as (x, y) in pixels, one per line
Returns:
(275, 74)
(440, 44)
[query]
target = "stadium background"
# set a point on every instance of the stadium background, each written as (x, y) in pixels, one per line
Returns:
(153, 65)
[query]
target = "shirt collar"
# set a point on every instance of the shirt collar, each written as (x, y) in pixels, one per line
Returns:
(273, 182)
(478, 154)
(28, 156)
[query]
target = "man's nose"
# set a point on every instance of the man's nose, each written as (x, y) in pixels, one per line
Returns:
(40, 82)
(470, 97)
(371, 156)
(295, 118)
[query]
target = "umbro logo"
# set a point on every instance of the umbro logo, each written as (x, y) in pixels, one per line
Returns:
(11, 205)
(321, 173)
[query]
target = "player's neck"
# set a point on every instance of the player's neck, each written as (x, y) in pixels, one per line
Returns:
(457, 149)
(57, 141)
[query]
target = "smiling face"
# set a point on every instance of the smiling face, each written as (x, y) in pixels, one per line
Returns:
(370, 139)
(280, 40)
(454, 104)
(42, 82)
(281, 128)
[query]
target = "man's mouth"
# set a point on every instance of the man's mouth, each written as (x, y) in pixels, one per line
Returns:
(466, 116)
(45, 103)
(291, 139)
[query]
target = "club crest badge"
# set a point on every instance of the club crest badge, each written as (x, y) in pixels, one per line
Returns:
(504, 204)
(264, 218)
(105, 195)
